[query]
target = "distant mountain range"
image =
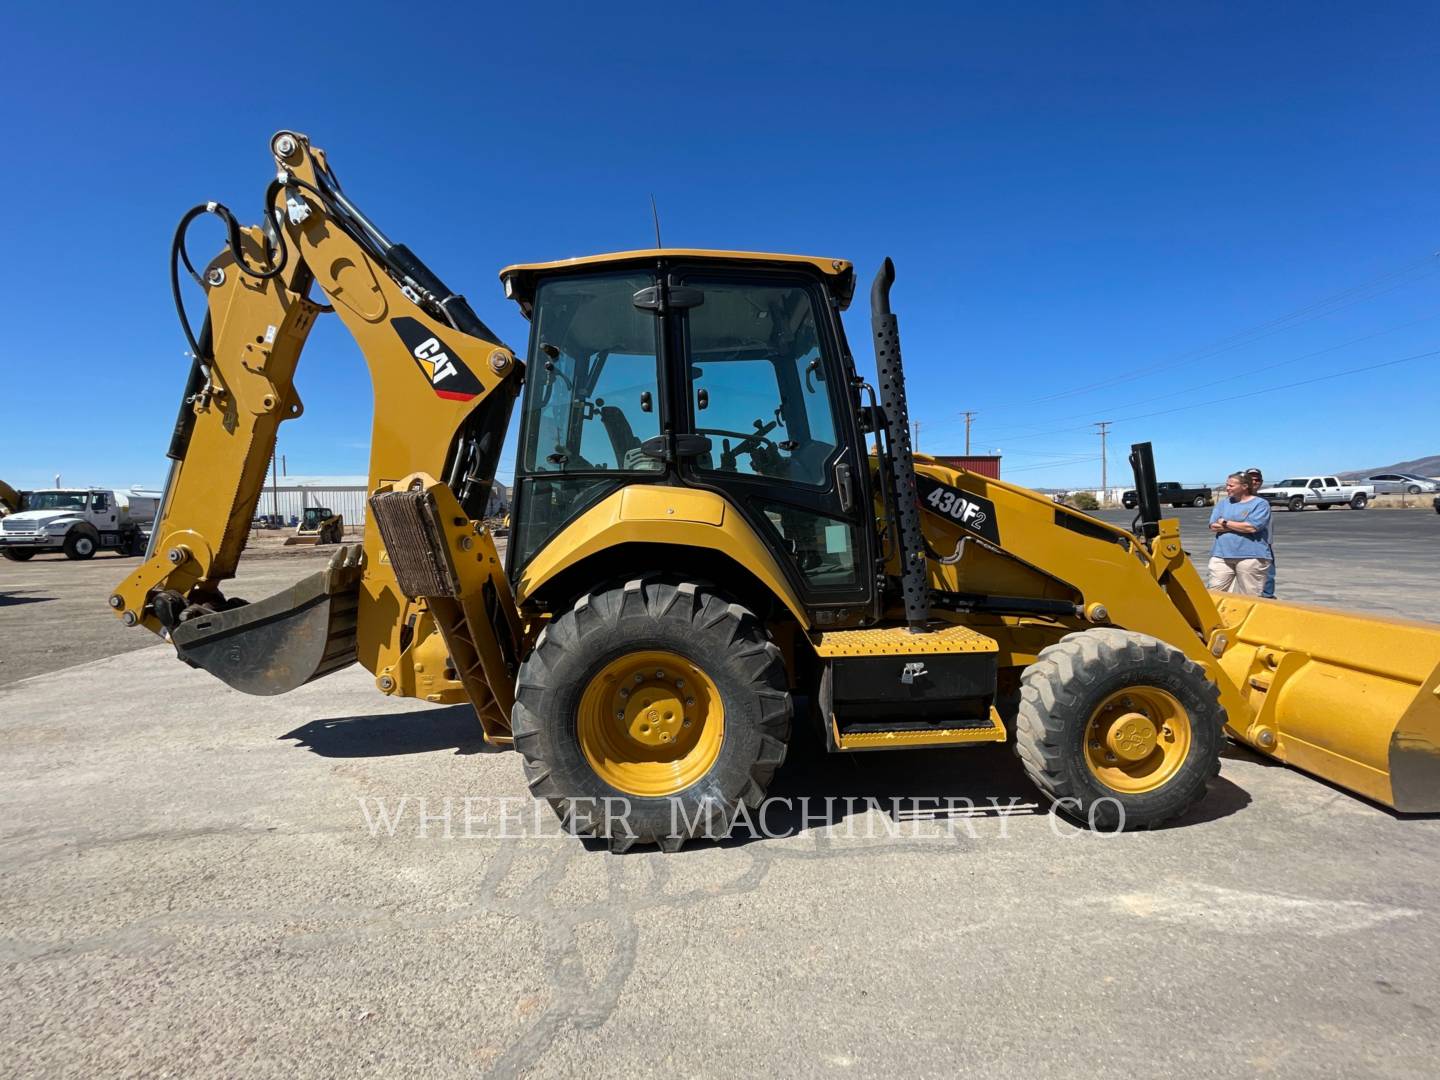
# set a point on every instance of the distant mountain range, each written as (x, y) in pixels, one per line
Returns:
(1425, 466)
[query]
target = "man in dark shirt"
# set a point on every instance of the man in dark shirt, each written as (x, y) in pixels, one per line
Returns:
(1256, 480)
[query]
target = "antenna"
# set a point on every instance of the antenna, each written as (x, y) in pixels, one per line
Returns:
(655, 213)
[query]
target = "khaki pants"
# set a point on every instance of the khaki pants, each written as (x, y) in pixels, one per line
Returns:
(1243, 576)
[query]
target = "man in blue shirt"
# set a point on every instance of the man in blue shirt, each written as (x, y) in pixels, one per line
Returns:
(1240, 557)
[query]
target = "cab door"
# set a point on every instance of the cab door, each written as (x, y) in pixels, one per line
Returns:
(763, 383)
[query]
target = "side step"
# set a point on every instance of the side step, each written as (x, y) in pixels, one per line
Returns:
(888, 689)
(282, 642)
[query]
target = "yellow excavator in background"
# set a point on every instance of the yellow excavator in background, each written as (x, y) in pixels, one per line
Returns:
(716, 519)
(11, 501)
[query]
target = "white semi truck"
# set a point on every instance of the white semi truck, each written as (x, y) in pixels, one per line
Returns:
(79, 522)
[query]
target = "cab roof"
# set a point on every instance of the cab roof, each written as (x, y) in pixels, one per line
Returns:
(521, 279)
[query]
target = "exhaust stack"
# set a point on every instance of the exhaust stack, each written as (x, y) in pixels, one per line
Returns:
(914, 577)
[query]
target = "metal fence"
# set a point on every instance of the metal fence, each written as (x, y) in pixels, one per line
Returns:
(289, 501)
(348, 500)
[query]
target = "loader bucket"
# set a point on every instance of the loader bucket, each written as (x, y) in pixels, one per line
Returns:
(284, 641)
(1352, 698)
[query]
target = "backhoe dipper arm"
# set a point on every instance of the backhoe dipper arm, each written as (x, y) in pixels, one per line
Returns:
(443, 389)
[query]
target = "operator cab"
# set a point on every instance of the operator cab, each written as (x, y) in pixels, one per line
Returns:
(726, 371)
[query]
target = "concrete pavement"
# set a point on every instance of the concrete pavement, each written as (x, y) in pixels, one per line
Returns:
(195, 882)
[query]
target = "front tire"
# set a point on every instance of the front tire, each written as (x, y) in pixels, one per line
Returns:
(1200, 500)
(18, 554)
(663, 702)
(80, 544)
(1297, 502)
(1413, 489)
(1119, 729)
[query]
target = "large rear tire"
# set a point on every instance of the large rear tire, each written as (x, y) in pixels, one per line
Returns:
(1118, 729)
(647, 713)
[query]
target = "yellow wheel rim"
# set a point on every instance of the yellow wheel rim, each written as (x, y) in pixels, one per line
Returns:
(1137, 739)
(650, 723)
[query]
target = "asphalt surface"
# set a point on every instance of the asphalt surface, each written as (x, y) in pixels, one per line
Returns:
(198, 883)
(1382, 561)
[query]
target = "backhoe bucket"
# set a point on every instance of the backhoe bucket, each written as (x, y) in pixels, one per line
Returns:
(286, 640)
(1354, 699)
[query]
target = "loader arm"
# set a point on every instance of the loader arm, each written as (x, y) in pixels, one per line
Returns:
(1350, 697)
(443, 387)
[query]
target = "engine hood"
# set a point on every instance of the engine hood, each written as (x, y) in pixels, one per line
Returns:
(35, 520)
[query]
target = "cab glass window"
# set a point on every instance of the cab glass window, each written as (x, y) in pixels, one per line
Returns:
(758, 383)
(594, 390)
(825, 549)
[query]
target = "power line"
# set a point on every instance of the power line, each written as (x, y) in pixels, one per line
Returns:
(1249, 373)
(1247, 394)
(1318, 309)
(1284, 386)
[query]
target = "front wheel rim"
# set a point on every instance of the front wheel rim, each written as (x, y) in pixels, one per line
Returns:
(84, 546)
(650, 723)
(1137, 739)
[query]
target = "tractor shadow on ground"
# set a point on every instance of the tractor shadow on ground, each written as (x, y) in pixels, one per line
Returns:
(13, 598)
(815, 790)
(425, 731)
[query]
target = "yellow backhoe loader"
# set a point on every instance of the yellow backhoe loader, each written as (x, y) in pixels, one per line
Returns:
(715, 518)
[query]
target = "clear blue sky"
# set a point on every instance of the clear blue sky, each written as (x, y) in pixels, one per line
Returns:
(1073, 195)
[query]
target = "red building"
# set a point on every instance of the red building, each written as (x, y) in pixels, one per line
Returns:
(983, 464)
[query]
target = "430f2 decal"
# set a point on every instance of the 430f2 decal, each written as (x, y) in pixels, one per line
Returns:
(971, 512)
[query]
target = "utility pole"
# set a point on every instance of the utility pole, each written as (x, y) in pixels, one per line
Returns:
(1104, 426)
(915, 442)
(274, 488)
(283, 470)
(969, 416)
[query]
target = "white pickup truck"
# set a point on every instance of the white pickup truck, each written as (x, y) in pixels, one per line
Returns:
(1298, 492)
(79, 522)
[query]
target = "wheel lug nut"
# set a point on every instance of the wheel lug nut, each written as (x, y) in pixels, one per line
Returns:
(686, 722)
(619, 714)
(689, 701)
(659, 674)
(639, 677)
(624, 693)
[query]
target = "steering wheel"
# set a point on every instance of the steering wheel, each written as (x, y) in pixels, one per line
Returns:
(749, 443)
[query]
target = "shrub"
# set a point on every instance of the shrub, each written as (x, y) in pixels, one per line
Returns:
(1083, 500)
